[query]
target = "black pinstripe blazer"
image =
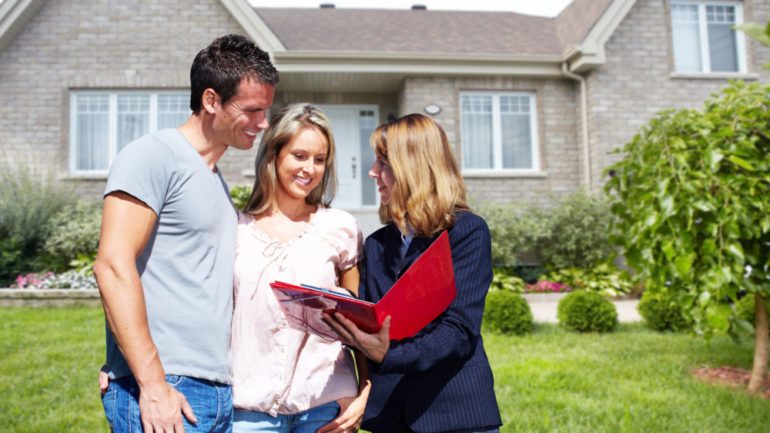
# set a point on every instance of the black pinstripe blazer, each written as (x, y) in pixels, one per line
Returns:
(439, 380)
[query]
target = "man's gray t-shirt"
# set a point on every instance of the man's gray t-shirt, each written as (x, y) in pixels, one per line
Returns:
(186, 267)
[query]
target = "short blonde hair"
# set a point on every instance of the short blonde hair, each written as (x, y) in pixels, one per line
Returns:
(284, 126)
(428, 186)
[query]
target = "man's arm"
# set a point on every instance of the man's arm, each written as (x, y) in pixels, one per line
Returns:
(127, 225)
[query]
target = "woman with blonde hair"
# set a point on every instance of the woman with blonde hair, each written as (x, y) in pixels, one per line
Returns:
(286, 379)
(439, 380)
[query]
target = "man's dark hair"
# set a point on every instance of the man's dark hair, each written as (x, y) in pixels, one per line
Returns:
(223, 64)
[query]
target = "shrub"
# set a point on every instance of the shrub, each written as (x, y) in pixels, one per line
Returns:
(508, 313)
(662, 312)
(240, 195)
(604, 278)
(571, 234)
(577, 235)
(515, 231)
(585, 311)
(28, 201)
(74, 237)
(744, 308)
(503, 280)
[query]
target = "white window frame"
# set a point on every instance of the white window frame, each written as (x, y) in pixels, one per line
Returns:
(112, 142)
(497, 143)
(705, 55)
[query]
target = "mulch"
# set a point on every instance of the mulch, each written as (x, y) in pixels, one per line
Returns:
(730, 376)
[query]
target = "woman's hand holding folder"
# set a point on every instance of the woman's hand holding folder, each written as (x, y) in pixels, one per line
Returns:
(373, 346)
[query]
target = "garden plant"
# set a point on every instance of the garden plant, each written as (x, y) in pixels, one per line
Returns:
(693, 216)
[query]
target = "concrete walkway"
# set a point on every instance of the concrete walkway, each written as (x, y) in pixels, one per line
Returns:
(543, 308)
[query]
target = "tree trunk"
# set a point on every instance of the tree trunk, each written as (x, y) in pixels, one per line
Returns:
(759, 370)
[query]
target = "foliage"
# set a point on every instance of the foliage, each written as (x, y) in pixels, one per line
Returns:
(74, 237)
(577, 234)
(515, 231)
(604, 278)
(503, 280)
(584, 311)
(507, 312)
(744, 309)
(691, 200)
(529, 273)
(572, 233)
(28, 202)
(66, 280)
(758, 33)
(662, 312)
(240, 195)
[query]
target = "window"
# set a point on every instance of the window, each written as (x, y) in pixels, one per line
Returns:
(102, 123)
(704, 39)
(499, 131)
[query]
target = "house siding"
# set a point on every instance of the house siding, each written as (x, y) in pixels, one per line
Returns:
(558, 128)
(635, 83)
(92, 44)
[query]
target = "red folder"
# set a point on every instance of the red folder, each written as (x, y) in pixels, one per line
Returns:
(420, 295)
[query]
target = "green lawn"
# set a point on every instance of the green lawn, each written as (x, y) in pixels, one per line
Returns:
(633, 380)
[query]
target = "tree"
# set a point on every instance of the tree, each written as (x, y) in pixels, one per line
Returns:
(692, 200)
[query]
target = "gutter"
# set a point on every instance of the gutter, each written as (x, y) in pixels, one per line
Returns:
(584, 124)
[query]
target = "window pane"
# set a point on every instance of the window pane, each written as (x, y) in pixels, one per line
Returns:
(91, 130)
(133, 118)
(686, 35)
(477, 131)
(516, 132)
(722, 39)
(366, 124)
(173, 110)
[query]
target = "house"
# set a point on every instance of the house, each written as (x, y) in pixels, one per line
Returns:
(533, 105)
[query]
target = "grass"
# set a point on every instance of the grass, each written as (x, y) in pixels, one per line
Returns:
(633, 380)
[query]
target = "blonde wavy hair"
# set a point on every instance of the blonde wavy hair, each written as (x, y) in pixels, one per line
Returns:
(284, 126)
(428, 186)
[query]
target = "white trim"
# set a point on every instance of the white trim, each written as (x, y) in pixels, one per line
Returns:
(112, 133)
(14, 15)
(589, 53)
(497, 144)
(254, 26)
(740, 38)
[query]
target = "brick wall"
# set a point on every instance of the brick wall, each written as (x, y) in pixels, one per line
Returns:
(94, 44)
(557, 114)
(636, 82)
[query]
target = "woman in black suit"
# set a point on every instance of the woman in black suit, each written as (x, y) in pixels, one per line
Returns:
(439, 380)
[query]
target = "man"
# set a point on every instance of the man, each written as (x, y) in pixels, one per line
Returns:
(165, 260)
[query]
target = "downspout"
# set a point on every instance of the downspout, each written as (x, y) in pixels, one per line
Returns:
(584, 123)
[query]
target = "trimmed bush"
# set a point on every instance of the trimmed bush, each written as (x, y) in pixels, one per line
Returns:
(508, 313)
(661, 312)
(584, 311)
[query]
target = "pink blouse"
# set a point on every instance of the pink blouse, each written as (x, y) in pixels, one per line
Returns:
(278, 369)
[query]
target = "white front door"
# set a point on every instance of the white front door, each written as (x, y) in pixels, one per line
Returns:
(348, 129)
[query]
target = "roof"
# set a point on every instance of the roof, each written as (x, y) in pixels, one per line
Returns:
(412, 31)
(429, 31)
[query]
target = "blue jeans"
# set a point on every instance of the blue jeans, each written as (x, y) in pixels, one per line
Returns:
(303, 422)
(211, 402)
